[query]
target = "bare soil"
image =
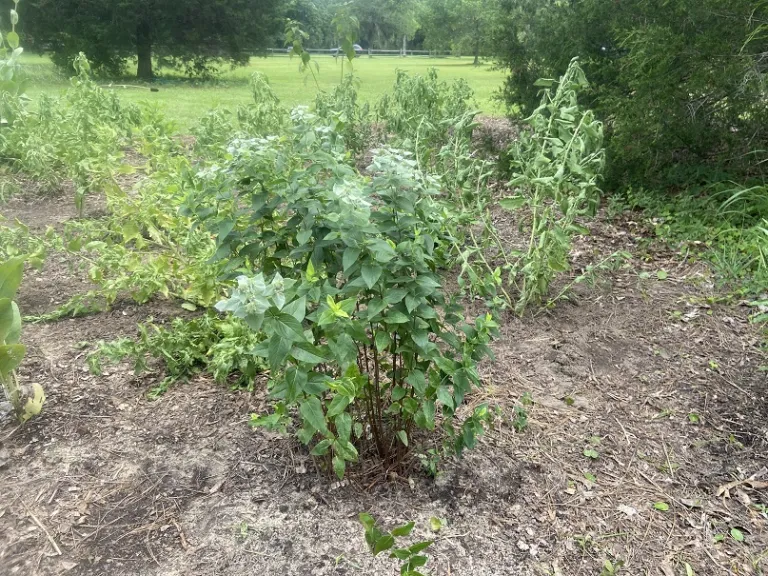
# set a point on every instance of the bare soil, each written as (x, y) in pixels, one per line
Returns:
(655, 380)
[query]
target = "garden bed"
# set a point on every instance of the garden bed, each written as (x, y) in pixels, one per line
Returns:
(646, 441)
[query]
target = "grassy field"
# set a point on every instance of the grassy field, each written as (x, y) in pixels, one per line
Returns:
(185, 101)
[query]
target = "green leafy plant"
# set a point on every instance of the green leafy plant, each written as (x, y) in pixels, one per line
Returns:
(423, 114)
(556, 167)
(520, 421)
(12, 83)
(412, 558)
(358, 335)
(208, 343)
(11, 350)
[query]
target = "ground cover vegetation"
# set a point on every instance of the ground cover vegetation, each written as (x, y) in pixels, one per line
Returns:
(361, 281)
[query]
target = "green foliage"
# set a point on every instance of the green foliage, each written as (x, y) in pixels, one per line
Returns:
(723, 225)
(412, 557)
(192, 36)
(555, 170)
(342, 110)
(11, 350)
(207, 343)
(79, 137)
(358, 335)
(462, 26)
(424, 114)
(555, 166)
(12, 83)
(682, 82)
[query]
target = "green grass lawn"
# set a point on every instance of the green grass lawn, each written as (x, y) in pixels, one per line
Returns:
(186, 101)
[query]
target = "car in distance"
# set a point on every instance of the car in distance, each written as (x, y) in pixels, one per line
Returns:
(356, 47)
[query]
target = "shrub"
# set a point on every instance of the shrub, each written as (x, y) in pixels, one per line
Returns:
(360, 340)
(679, 83)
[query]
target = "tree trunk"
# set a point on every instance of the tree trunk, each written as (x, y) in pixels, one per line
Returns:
(404, 44)
(144, 50)
(477, 48)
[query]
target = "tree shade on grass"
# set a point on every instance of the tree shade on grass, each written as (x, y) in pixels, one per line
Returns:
(190, 35)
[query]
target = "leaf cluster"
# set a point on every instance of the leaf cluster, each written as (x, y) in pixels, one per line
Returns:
(412, 557)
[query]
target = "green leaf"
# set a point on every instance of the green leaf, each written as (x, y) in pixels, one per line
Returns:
(302, 238)
(285, 325)
(297, 308)
(312, 412)
(404, 530)
(591, 453)
(384, 543)
(339, 467)
(367, 520)
(6, 317)
(418, 381)
(396, 317)
(343, 424)
(10, 277)
(661, 506)
(13, 334)
(371, 274)
(346, 450)
(419, 546)
(445, 396)
(309, 354)
(398, 393)
(513, 202)
(403, 438)
(350, 258)
(188, 306)
(436, 524)
(411, 303)
(382, 251)
(662, 275)
(322, 447)
(395, 295)
(374, 307)
(382, 340)
(277, 352)
(446, 365)
(338, 405)
(737, 535)
(428, 409)
(11, 356)
(13, 39)
(417, 561)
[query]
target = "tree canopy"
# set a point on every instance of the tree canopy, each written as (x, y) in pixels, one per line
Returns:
(190, 35)
(461, 26)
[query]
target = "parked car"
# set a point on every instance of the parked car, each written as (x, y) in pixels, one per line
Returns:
(357, 48)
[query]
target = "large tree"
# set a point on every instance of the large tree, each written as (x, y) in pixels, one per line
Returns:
(463, 26)
(191, 34)
(384, 23)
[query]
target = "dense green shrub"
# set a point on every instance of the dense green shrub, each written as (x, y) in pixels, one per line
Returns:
(338, 272)
(680, 84)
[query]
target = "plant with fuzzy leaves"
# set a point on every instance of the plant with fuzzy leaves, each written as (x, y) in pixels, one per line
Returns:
(358, 334)
(11, 350)
(556, 168)
(556, 165)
